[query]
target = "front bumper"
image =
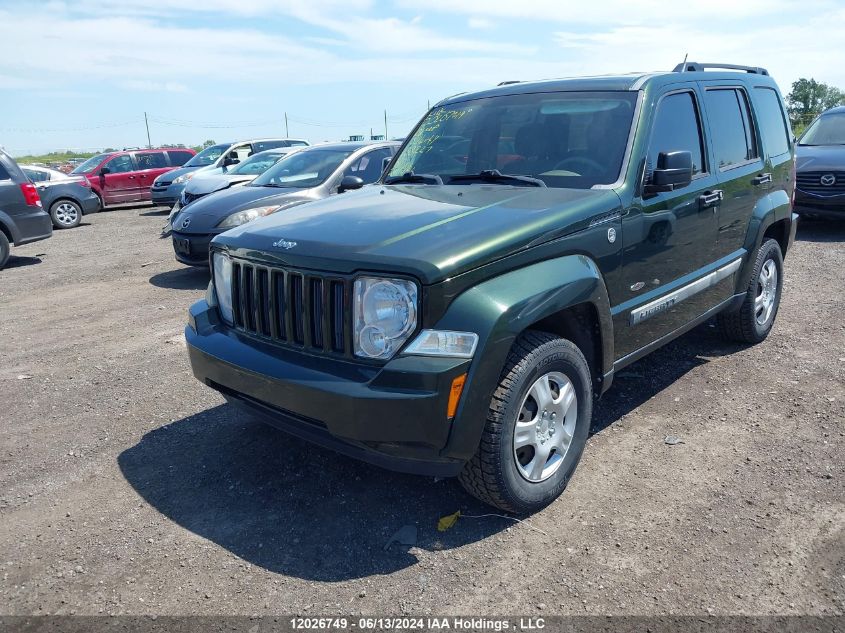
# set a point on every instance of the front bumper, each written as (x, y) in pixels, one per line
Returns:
(832, 207)
(33, 226)
(166, 195)
(393, 416)
(192, 249)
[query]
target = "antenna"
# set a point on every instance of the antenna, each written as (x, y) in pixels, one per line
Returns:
(685, 63)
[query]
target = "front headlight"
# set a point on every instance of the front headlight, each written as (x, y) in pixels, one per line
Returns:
(385, 315)
(247, 215)
(223, 286)
(183, 178)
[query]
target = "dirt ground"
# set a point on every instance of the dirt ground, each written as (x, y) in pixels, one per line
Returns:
(127, 487)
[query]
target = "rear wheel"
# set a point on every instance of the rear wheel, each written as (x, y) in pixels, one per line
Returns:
(754, 320)
(4, 249)
(65, 214)
(537, 426)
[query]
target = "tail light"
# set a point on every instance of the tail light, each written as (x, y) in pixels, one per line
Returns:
(30, 194)
(83, 181)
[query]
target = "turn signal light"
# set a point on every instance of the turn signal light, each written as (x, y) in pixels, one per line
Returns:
(455, 395)
(30, 194)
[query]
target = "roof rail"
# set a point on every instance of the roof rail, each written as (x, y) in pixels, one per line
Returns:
(508, 83)
(689, 67)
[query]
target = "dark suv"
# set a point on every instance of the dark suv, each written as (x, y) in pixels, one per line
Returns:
(820, 163)
(22, 218)
(525, 243)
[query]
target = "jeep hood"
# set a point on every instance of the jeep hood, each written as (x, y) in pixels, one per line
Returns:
(432, 232)
(820, 158)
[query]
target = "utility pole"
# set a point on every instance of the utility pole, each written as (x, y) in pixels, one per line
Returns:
(385, 126)
(147, 123)
(287, 134)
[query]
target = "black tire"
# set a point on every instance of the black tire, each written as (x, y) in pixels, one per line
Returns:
(494, 474)
(5, 249)
(744, 325)
(65, 213)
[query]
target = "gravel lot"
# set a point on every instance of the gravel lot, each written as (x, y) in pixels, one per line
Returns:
(126, 487)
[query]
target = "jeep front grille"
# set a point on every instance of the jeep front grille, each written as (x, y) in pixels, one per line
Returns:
(811, 182)
(294, 308)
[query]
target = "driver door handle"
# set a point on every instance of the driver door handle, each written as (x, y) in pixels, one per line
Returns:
(711, 198)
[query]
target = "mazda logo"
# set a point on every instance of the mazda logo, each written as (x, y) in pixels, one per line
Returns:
(186, 222)
(828, 180)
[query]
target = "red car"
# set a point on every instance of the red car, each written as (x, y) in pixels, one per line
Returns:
(126, 176)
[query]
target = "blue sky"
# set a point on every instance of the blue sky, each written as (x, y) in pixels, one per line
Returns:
(81, 74)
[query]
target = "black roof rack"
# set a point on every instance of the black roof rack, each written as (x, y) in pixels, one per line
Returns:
(690, 67)
(508, 83)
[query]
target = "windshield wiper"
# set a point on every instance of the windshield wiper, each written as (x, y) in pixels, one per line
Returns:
(412, 178)
(495, 176)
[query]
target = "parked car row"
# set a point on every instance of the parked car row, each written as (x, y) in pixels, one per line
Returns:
(309, 174)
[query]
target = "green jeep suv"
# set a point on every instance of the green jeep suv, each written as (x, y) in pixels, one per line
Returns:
(461, 316)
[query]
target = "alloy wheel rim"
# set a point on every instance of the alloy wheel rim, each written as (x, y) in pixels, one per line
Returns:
(66, 214)
(545, 426)
(767, 287)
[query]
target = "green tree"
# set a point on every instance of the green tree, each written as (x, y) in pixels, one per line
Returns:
(208, 143)
(809, 98)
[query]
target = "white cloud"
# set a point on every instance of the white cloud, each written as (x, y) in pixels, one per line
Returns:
(480, 24)
(146, 85)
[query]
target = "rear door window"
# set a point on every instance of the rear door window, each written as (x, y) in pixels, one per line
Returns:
(179, 157)
(772, 121)
(368, 168)
(36, 176)
(733, 138)
(151, 160)
(4, 175)
(677, 127)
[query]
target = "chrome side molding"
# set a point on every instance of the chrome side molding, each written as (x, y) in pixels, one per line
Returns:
(665, 302)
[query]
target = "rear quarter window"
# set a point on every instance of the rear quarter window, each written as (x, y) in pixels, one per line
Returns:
(772, 121)
(4, 174)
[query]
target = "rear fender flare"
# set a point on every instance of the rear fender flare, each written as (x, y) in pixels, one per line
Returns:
(9, 227)
(769, 209)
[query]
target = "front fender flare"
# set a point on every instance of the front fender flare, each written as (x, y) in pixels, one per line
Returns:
(498, 310)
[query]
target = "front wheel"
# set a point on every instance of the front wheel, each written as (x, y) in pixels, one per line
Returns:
(754, 320)
(537, 426)
(65, 214)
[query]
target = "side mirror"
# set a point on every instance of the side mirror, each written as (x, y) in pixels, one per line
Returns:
(349, 183)
(104, 171)
(674, 171)
(230, 160)
(385, 163)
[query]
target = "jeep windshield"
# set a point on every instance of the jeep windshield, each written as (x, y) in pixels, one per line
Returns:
(304, 169)
(207, 156)
(828, 129)
(564, 139)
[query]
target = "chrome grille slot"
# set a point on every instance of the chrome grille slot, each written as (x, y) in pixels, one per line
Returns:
(811, 182)
(292, 308)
